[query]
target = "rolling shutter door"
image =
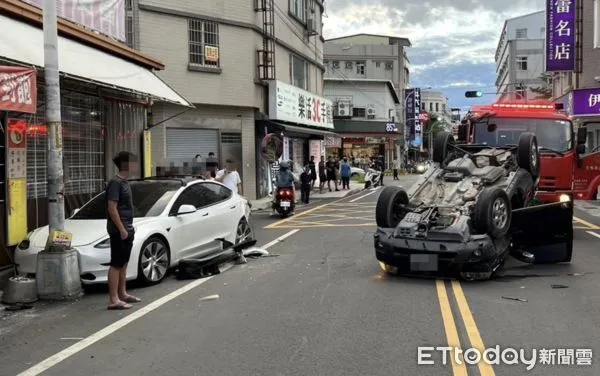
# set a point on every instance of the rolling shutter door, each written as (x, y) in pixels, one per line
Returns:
(183, 144)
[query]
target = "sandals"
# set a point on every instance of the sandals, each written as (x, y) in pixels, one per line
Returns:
(119, 307)
(132, 299)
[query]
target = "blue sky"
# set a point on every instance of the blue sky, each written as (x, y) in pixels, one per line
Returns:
(454, 41)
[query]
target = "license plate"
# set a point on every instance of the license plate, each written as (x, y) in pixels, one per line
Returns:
(424, 263)
(285, 204)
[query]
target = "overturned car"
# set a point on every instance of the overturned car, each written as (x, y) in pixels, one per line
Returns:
(471, 210)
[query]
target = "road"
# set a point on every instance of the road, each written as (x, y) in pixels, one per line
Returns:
(320, 306)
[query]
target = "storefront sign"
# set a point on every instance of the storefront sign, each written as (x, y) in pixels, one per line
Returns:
(18, 91)
(147, 153)
(375, 140)
(286, 149)
(107, 17)
(289, 103)
(413, 108)
(391, 128)
(16, 169)
(333, 142)
(560, 35)
(585, 102)
(315, 149)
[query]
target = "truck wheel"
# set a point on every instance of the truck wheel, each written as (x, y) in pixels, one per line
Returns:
(391, 207)
(528, 155)
(441, 146)
(492, 214)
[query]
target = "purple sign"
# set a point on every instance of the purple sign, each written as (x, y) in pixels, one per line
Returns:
(586, 102)
(560, 35)
(412, 105)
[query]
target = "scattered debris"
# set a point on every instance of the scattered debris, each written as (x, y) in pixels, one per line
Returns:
(517, 299)
(559, 286)
(210, 297)
(255, 252)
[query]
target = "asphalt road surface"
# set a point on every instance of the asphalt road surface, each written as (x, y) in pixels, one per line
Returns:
(321, 306)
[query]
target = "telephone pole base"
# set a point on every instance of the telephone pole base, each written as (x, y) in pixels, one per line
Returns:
(57, 275)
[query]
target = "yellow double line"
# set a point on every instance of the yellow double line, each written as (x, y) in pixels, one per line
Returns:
(460, 369)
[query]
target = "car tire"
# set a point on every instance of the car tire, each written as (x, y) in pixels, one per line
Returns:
(441, 146)
(493, 213)
(528, 155)
(244, 231)
(390, 208)
(157, 248)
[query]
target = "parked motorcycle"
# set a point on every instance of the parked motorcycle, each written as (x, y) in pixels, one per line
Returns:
(372, 178)
(284, 201)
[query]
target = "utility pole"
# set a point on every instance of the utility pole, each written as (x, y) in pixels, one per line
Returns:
(57, 271)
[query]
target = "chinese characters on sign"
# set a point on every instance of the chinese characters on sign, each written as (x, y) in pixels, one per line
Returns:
(560, 35)
(290, 103)
(211, 54)
(413, 108)
(17, 150)
(18, 91)
(586, 102)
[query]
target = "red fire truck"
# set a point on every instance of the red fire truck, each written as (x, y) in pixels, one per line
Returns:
(566, 167)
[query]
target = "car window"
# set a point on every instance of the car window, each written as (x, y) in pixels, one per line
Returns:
(211, 193)
(149, 200)
(189, 196)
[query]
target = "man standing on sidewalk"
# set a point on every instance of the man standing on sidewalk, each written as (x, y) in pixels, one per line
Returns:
(230, 177)
(119, 225)
(345, 172)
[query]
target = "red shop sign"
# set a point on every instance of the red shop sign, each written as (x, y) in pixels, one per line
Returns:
(18, 91)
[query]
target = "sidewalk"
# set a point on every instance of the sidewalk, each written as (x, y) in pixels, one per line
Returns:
(265, 203)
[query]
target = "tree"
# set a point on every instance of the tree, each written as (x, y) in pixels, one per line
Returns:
(432, 129)
(545, 90)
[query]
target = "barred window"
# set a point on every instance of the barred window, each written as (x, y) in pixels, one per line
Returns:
(129, 23)
(203, 43)
(231, 138)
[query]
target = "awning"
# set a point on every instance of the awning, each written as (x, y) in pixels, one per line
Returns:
(24, 43)
(301, 130)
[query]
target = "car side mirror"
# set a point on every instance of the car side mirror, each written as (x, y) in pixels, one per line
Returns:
(580, 148)
(582, 135)
(186, 209)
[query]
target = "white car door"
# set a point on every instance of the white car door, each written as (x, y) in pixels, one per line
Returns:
(187, 237)
(222, 214)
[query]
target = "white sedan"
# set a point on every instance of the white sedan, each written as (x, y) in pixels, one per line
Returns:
(174, 219)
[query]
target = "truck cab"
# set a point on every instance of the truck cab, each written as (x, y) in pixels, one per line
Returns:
(566, 171)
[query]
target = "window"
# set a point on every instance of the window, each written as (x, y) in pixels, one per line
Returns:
(358, 112)
(522, 63)
(377, 64)
(129, 24)
(149, 200)
(542, 31)
(390, 66)
(422, 106)
(360, 68)
(211, 194)
(521, 33)
(190, 196)
(335, 64)
(203, 43)
(430, 106)
(437, 107)
(298, 9)
(299, 70)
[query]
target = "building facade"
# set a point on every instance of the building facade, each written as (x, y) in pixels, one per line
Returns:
(365, 117)
(231, 59)
(102, 113)
(520, 56)
(579, 92)
(435, 103)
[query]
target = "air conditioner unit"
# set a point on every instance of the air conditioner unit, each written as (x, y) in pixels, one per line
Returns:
(389, 66)
(371, 112)
(335, 64)
(311, 26)
(343, 109)
(348, 65)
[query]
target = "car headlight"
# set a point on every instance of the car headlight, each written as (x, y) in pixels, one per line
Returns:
(103, 244)
(564, 198)
(25, 243)
(420, 168)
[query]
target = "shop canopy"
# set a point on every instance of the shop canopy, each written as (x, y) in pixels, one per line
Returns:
(277, 126)
(23, 43)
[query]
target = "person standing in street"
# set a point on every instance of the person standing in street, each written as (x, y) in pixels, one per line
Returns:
(313, 171)
(230, 177)
(306, 182)
(322, 174)
(119, 226)
(396, 168)
(345, 172)
(330, 166)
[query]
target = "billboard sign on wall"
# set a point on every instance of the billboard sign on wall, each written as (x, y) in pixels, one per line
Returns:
(104, 16)
(560, 35)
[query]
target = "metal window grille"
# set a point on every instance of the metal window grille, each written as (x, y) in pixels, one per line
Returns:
(202, 34)
(130, 23)
(231, 138)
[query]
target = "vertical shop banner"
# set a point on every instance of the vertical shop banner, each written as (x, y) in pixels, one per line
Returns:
(314, 148)
(560, 35)
(16, 173)
(106, 17)
(18, 90)
(286, 149)
(147, 153)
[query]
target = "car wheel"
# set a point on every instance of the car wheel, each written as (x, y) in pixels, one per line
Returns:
(528, 155)
(244, 231)
(391, 207)
(154, 261)
(441, 146)
(492, 214)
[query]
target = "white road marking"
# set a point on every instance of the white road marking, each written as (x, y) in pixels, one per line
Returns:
(594, 234)
(103, 333)
(363, 196)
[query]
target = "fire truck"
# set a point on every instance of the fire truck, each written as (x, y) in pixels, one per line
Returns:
(567, 170)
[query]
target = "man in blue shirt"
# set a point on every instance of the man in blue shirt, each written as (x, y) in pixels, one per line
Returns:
(345, 172)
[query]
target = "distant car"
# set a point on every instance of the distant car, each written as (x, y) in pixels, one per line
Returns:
(355, 171)
(174, 219)
(421, 167)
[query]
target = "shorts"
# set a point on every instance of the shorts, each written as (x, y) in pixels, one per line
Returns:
(120, 250)
(331, 176)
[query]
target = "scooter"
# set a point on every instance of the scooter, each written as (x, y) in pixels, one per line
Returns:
(372, 178)
(284, 201)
